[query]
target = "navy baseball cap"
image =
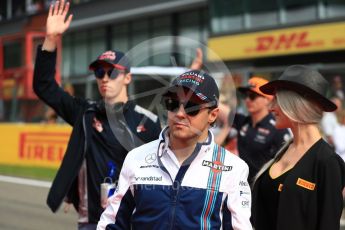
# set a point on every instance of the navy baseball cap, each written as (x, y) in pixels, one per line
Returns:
(115, 58)
(199, 82)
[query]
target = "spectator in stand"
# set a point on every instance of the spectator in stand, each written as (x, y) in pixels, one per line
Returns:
(339, 135)
(257, 138)
(329, 121)
(338, 89)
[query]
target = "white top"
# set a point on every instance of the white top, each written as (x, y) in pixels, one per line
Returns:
(328, 123)
(339, 140)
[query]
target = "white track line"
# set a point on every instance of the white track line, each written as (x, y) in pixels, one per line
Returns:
(31, 182)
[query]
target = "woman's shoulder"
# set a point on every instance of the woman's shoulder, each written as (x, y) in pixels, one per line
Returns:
(326, 155)
(324, 150)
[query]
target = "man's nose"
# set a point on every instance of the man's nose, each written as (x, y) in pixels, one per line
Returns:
(180, 111)
(105, 77)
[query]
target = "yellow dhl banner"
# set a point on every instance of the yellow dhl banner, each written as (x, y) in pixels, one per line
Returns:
(305, 39)
(40, 145)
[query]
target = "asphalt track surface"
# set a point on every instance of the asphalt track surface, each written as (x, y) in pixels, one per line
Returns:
(23, 207)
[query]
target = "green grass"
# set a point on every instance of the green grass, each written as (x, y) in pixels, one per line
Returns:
(31, 172)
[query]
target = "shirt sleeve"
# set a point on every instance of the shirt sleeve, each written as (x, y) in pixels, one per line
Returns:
(49, 91)
(155, 130)
(118, 212)
(239, 120)
(239, 200)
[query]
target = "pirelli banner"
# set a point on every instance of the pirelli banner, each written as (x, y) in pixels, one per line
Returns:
(33, 144)
(305, 39)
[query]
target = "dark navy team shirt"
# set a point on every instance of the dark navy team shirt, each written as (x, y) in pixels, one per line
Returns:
(257, 145)
(106, 147)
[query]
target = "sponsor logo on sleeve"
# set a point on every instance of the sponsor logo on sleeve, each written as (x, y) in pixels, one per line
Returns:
(244, 193)
(245, 196)
(245, 204)
(243, 183)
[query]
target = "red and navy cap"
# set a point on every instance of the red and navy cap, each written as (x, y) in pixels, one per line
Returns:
(115, 58)
(199, 82)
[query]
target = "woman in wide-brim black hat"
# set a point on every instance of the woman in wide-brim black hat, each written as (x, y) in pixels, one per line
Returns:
(301, 188)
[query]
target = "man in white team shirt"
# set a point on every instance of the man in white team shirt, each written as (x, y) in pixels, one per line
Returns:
(183, 180)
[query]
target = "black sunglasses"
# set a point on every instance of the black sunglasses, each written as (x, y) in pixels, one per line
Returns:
(112, 73)
(191, 108)
(251, 95)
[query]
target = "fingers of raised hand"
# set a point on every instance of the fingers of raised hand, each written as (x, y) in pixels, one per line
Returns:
(65, 11)
(59, 8)
(56, 8)
(68, 21)
(50, 13)
(62, 5)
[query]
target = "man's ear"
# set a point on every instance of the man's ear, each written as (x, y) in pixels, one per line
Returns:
(128, 78)
(212, 116)
(268, 101)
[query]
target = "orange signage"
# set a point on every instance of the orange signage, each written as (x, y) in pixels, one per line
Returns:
(305, 184)
(45, 147)
(306, 39)
(41, 145)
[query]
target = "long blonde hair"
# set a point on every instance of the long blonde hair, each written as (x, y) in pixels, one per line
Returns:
(297, 108)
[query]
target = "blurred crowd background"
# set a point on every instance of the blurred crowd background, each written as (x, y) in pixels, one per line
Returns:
(250, 38)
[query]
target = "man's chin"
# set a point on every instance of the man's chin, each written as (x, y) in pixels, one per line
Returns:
(108, 98)
(179, 134)
(182, 135)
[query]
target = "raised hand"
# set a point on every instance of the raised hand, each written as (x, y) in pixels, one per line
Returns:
(197, 62)
(57, 23)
